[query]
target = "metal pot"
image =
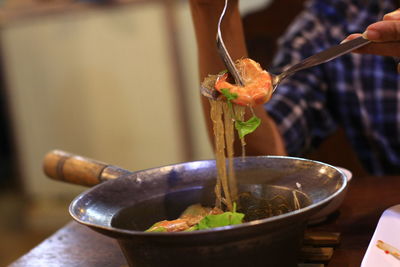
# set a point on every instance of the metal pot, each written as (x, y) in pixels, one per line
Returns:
(122, 208)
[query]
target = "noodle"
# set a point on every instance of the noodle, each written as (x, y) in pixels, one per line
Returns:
(224, 136)
(229, 140)
(227, 113)
(227, 116)
(218, 128)
(223, 118)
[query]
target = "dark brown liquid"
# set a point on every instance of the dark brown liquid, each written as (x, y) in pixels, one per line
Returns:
(265, 201)
(169, 207)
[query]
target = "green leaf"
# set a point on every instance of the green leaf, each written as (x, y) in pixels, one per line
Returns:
(229, 96)
(219, 220)
(243, 127)
(156, 228)
(193, 228)
(222, 72)
(246, 127)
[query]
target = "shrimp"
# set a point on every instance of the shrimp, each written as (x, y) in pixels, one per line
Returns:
(177, 225)
(258, 84)
(190, 217)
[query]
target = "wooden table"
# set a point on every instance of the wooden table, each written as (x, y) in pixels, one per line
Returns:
(367, 198)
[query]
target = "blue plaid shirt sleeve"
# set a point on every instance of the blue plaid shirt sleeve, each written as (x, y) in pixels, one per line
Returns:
(298, 106)
(358, 92)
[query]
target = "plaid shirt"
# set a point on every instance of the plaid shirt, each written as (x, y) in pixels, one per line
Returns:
(361, 93)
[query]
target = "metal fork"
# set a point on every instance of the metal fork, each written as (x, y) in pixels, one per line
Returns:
(223, 52)
(226, 58)
(319, 58)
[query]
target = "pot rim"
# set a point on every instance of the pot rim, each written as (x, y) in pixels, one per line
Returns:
(218, 229)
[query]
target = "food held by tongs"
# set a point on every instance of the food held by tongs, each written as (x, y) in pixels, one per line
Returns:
(257, 88)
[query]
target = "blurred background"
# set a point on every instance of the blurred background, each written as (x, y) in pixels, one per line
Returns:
(113, 81)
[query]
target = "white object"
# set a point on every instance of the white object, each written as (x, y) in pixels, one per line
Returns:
(387, 230)
(334, 204)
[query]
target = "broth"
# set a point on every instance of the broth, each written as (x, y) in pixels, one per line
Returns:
(266, 201)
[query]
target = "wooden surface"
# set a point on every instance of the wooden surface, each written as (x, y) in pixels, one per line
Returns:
(367, 198)
(365, 202)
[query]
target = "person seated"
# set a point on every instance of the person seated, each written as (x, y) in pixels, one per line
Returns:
(357, 91)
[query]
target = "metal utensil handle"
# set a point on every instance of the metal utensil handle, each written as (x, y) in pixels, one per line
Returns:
(327, 55)
(230, 65)
(70, 168)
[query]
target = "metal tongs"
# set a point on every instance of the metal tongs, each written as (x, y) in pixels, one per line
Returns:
(319, 58)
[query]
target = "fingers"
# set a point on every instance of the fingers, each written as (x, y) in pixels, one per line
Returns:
(351, 37)
(395, 15)
(383, 31)
(387, 30)
(385, 36)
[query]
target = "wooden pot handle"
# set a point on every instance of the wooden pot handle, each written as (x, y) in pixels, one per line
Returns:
(70, 168)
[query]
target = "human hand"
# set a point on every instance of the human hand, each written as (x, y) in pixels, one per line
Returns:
(385, 36)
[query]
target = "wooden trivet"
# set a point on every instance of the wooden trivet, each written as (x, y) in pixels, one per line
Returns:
(318, 248)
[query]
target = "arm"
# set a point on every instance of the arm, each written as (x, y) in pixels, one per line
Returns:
(205, 13)
(385, 36)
